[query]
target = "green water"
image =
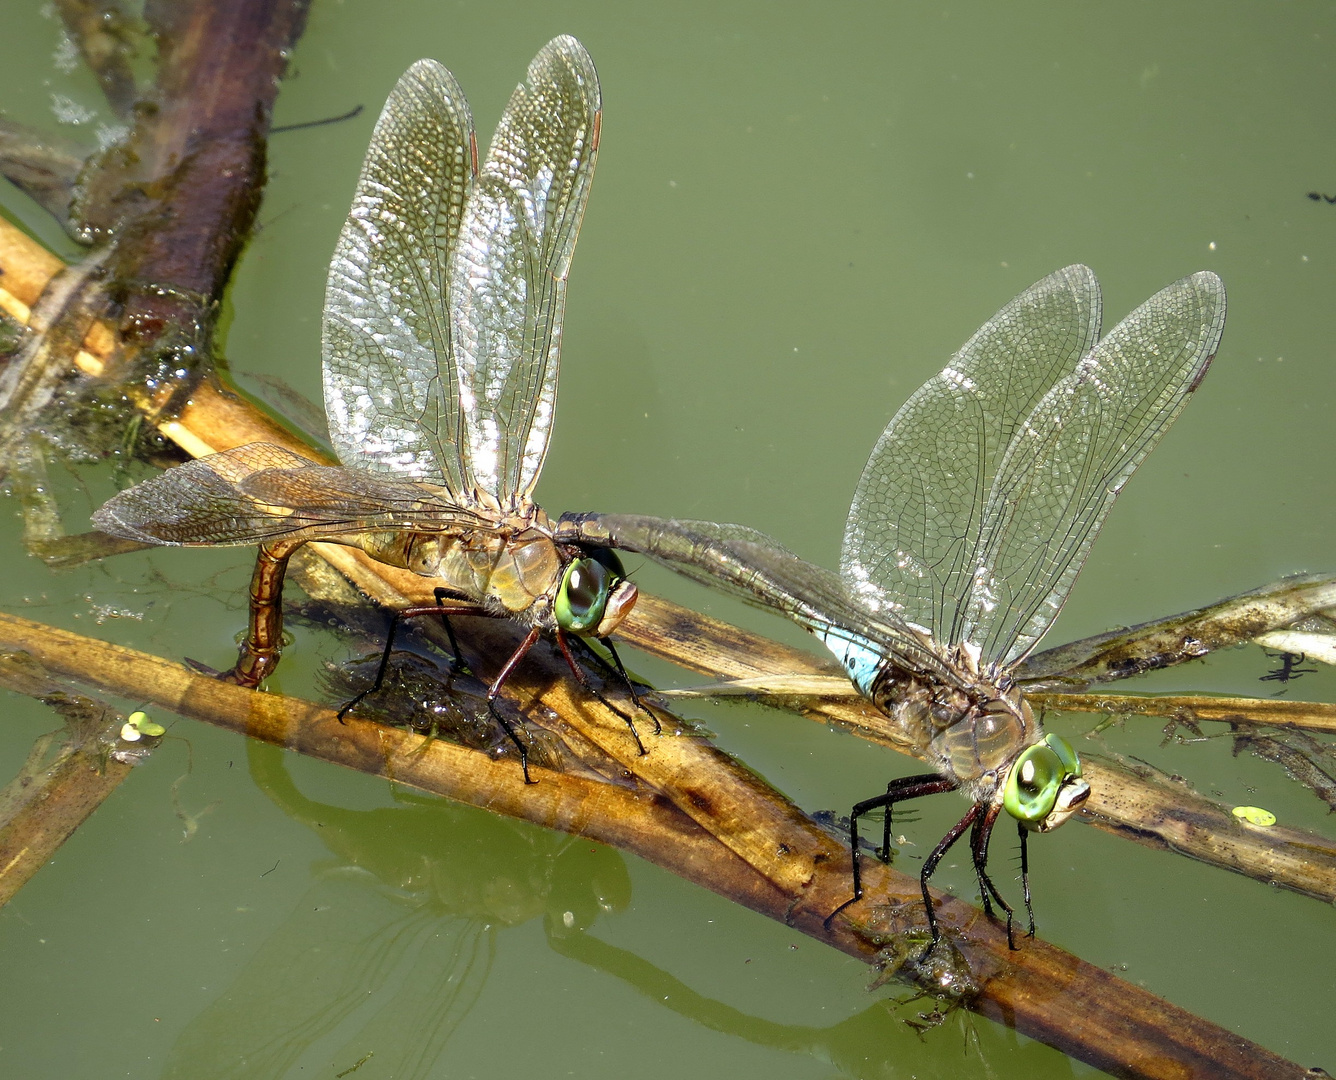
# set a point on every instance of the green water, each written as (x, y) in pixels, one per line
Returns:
(800, 212)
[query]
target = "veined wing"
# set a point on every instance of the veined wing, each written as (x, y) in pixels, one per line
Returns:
(508, 279)
(752, 566)
(261, 492)
(914, 526)
(1071, 458)
(391, 391)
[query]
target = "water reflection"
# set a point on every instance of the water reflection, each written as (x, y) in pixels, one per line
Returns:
(878, 1043)
(391, 946)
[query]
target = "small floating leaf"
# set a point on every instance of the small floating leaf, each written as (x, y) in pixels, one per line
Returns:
(138, 725)
(1255, 815)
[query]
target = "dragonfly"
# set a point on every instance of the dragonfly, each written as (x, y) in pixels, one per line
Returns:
(969, 525)
(441, 344)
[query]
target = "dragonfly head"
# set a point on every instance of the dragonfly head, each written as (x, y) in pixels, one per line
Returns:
(1044, 786)
(594, 595)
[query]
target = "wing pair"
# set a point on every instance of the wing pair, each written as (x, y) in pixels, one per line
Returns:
(444, 304)
(984, 493)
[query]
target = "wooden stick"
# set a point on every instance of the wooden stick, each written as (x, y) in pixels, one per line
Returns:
(1040, 990)
(54, 793)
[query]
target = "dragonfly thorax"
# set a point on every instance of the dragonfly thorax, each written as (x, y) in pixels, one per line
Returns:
(971, 735)
(987, 739)
(514, 572)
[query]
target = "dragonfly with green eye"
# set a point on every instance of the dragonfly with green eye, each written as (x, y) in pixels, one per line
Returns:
(969, 525)
(442, 328)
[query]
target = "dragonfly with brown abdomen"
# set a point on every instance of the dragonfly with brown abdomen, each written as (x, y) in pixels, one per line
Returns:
(973, 517)
(442, 331)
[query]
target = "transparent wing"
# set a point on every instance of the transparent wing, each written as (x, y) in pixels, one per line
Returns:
(752, 566)
(1074, 453)
(391, 392)
(509, 275)
(260, 492)
(914, 526)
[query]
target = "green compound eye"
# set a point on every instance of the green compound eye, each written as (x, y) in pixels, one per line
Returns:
(1060, 746)
(1046, 776)
(582, 596)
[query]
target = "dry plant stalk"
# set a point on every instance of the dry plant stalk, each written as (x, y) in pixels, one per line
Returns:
(1040, 990)
(66, 777)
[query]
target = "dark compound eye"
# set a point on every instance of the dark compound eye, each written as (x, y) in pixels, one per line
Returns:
(582, 596)
(609, 559)
(584, 583)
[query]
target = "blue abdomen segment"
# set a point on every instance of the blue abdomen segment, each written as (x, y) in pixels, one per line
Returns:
(860, 659)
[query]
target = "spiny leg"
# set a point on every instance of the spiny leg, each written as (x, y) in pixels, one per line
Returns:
(457, 663)
(930, 866)
(381, 669)
(589, 688)
(887, 819)
(907, 787)
(620, 670)
(979, 837)
(1025, 873)
(492, 691)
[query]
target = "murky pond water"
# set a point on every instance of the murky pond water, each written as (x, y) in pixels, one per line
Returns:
(800, 212)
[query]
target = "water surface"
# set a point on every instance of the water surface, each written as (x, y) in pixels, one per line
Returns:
(800, 212)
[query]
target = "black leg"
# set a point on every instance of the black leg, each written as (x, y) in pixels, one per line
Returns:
(492, 691)
(930, 865)
(979, 856)
(979, 837)
(589, 688)
(617, 671)
(1025, 873)
(381, 669)
(886, 820)
(457, 664)
(907, 787)
(630, 686)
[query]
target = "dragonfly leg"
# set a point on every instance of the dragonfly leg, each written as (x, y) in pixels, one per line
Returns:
(930, 865)
(456, 664)
(887, 819)
(979, 856)
(495, 689)
(620, 670)
(492, 692)
(589, 688)
(907, 787)
(979, 837)
(1025, 873)
(264, 637)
